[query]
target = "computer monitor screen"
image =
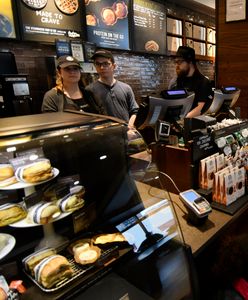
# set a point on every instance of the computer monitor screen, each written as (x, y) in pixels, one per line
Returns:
(7, 63)
(170, 109)
(224, 99)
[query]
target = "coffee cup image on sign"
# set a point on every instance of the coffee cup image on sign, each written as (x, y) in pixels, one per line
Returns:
(120, 9)
(151, 46)
(91, 20)
(68, 7)
(239, 185)
(230, 190)
(35, 4)
(6, 27)
(108, 16)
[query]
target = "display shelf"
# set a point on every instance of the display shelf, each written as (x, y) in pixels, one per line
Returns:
(230, 129)
(25, 223)
(29, 188)
(50, 237)
(198, 36)
(211, 35)
(174, 26)
(173, 42)
(174, 34)
(232, 208)
(201, 37)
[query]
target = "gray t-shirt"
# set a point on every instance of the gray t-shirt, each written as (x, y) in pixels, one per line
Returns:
(55, 100)
(118, 100)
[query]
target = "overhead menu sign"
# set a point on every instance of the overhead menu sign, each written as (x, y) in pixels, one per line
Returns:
(149, 33)
(7, 26)
(45, 20)
(107, 23)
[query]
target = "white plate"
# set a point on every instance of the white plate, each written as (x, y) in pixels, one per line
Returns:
(9, 246)
(23, 185)
(25, 223)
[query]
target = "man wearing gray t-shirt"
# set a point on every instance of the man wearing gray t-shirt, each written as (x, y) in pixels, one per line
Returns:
(116, 97)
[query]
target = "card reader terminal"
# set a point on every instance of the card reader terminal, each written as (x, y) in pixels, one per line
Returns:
(162, 130)
(195, 203)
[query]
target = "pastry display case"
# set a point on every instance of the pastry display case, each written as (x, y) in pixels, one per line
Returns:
(74, 208)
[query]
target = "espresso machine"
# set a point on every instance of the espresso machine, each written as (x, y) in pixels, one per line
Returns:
(15, 97)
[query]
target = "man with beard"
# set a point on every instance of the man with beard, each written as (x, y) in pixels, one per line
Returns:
(191, 79)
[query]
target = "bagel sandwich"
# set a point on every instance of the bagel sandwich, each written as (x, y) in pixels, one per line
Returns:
(11, 213)
(35, 172)
(51, 270)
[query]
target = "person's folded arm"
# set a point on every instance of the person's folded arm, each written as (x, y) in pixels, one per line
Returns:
(196, 111)
(131, 121)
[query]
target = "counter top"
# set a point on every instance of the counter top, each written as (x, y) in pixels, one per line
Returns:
(199, 237)
(196, 237)
(144, 155)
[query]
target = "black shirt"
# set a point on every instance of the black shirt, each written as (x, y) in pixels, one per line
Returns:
(198, 84)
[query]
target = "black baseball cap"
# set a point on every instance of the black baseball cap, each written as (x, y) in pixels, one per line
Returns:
(103, 53)
(187, 53)
(66, 61)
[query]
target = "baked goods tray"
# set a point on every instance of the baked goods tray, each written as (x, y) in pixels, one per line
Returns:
(78, 270)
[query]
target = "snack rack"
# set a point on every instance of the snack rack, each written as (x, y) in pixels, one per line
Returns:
(50, 237)
(79, 271)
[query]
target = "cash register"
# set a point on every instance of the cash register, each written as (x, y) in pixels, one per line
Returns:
(224, 100)
(164, 114)
(15, 97)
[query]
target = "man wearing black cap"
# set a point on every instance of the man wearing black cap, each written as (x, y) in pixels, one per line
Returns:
(190, 78)
(116, 97)
(69, 92)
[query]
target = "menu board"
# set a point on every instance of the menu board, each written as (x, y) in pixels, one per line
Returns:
(63, 47)
(45, 20)
(149, 33)
(107, 23)
(77, 50)
(7, 25)
(89, 50)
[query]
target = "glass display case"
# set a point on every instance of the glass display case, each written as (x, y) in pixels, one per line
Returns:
(70, 191)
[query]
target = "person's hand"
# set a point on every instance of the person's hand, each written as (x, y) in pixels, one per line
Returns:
(131, 126)
(131, 133)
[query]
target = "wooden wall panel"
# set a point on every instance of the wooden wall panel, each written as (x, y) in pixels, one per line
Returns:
(232, 55)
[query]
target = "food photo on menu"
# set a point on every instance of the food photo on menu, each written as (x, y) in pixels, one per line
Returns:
(45, 20)
(107, 23)
(109, 14)
(7, 26)
(149, 27)
(65, 6)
